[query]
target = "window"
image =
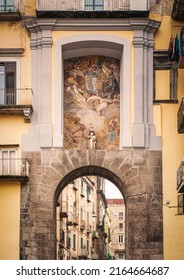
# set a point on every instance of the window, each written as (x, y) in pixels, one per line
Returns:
(82, 188)
(82, 213)
(7, 83)
(121, 226)
(94, 5)
(120, 238)
(7, 6)
(88, 194)
(74, 209)
(88, 245)
(62, 236)
(180, 204)
(74, 241)
(8, 162)
(68, 243)
(121, 216)
(82, 243)
(165, 73)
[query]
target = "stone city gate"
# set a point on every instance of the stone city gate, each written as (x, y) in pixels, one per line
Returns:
(137, 174)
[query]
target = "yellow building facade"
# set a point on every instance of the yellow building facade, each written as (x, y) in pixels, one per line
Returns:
(56, 62)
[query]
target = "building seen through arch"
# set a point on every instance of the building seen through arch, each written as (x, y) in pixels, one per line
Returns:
(86, 227)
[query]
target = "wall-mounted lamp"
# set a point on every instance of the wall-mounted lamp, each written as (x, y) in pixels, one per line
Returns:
(167, 203)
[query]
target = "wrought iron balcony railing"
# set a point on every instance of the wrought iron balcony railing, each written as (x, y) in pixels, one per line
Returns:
(94, 235)
(11, 97)
(92, 5)
(13, 168)
(83, 253)
(82, 224)
(181, 117)
(16, 101)
(64, 210)
(180, 178)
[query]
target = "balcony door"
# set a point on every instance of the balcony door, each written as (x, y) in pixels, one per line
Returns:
(94, 5)
(7, 163)
(7, 83)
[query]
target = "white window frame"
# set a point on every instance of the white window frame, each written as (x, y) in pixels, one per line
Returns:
(120, 238)
(121, 216)
(17, 61)
(1, 162)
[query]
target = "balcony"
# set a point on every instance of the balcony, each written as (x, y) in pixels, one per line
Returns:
(14, 169)
(64, 210)
(88, 229)
(75, 221)
(72, 220)
(180, 117)
(82, 224)
(178, 10)
(92, 8)
(75, 185)
(83, 253)
(94, 235)
(16, 102)
(9, 10)
(180, 178)
(94, 256)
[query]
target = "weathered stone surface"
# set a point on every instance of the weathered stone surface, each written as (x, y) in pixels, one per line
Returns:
(138, 175)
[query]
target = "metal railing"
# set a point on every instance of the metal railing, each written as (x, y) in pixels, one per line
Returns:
(14, 167)
(10, 97)
(94, 235)
(82, 5)
(180, 175)
(83, 252)
(82, 224)
(7, 6)
(180, 117)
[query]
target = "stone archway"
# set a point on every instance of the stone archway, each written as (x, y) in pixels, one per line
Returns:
(137, 173)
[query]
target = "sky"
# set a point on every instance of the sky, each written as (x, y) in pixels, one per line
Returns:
(112, 191)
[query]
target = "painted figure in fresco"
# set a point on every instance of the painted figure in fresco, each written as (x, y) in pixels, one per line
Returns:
(110, 86)
(99, 104)
(91, 139)
(91, 75)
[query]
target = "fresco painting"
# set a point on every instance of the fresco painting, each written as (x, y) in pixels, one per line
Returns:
(91, 100)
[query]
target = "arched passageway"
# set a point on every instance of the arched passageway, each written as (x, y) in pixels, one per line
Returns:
(136, 173)
(90, 220)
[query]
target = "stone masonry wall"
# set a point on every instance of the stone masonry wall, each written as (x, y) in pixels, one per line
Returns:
(163, 7)
(137, 173)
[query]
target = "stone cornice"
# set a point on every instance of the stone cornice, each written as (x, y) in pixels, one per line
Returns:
(11, 52)
(92, 24)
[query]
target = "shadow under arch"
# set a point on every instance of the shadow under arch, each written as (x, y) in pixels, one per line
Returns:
(87, 171)
(93, 171)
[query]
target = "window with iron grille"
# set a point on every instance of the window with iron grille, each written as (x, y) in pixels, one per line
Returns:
(94, 5)
(7, 5)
